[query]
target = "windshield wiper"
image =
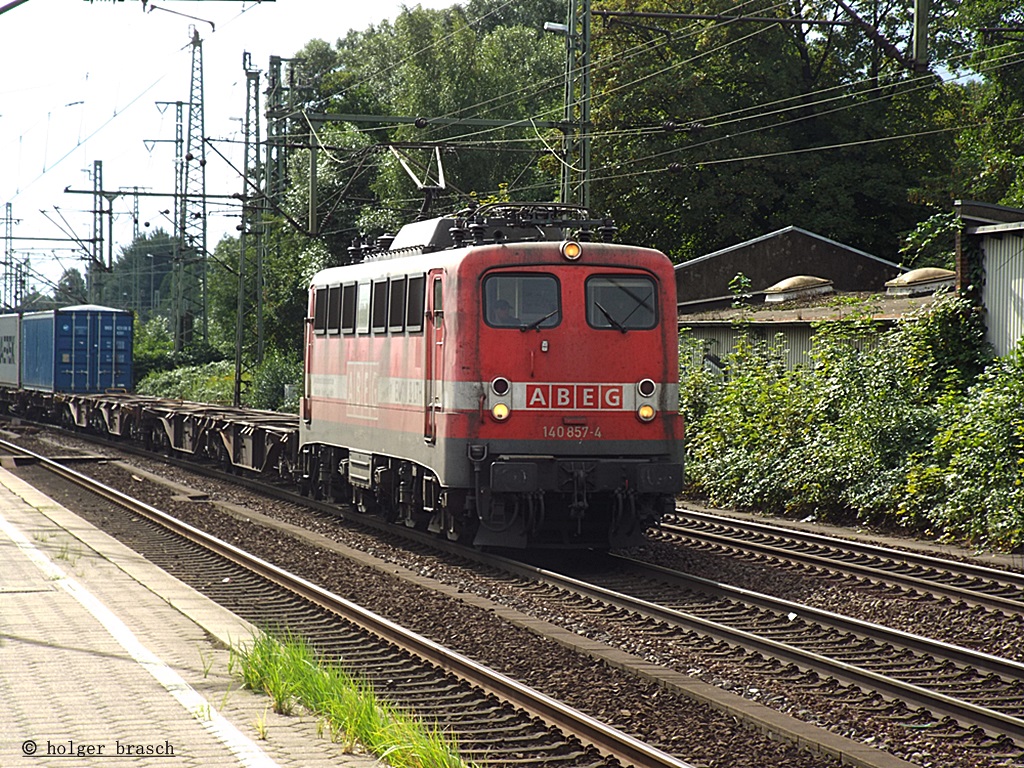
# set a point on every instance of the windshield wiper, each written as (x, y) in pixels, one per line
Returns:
(539, 320)
(615, 323)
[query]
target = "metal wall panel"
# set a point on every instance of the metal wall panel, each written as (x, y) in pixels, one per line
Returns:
(720, 340)
(1003, 292)
(37, 351)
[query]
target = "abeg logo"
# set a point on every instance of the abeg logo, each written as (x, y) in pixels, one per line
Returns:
(575, 397)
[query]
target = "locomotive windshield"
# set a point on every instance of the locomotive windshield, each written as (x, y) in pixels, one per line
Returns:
(621, 302)
(522, 301)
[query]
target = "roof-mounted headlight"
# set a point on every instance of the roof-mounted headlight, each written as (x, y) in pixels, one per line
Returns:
(571, 250)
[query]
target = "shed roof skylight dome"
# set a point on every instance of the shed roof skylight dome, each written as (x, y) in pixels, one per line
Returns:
(797, 287)
(921, 281)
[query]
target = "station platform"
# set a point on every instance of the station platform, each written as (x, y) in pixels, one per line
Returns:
(106, 660)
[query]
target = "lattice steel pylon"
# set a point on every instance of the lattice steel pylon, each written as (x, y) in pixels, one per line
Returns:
(190, 295)
(276, 166)
(10, 292)
(577, 128)
(94, 271)
(249, 342)
(281, 110)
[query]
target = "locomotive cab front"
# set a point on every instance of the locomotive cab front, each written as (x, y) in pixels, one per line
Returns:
(578, 437)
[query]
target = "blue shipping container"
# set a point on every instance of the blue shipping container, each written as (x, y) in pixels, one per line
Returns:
(79, 349)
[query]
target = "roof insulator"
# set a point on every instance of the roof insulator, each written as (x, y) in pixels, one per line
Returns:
(355, 251)
(458, 234)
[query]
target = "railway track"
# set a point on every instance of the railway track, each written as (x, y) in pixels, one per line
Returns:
(494, 719)
(710, 636)
(990, 588)
(977, 690)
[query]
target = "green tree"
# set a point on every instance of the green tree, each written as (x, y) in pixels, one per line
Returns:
(932, 243)
(140, 278)
(450, 64)
(708, 133)
(489, 15)
(71, 289)
(153, 347)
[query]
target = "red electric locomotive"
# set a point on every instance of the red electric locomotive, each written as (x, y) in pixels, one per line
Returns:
(487, 378)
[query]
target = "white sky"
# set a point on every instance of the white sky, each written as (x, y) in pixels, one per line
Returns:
(81, 82)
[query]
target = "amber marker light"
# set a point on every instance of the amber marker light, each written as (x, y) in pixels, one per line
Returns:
(500, 412)
(571, 250)
(645, 412)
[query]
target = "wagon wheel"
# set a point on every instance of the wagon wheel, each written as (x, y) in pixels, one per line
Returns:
(220, 455)
(159, 441)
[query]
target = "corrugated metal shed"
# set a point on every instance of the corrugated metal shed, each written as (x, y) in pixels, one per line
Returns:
(788, 327)
(1003, 289)
(717, 340)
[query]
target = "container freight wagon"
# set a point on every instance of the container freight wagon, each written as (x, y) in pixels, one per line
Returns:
(78, 350)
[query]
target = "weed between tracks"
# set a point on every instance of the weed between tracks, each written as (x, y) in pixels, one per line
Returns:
(288, 670)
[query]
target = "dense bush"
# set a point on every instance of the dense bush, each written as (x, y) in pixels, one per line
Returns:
(739, 447)
(276, 385)
(886, 427)
(971, 484)
(153, 347)
(154, 354)
(210, 383)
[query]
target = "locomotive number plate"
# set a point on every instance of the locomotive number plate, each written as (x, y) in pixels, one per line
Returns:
(571, 432)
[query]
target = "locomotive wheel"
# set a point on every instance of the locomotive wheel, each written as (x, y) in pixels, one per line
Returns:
(365, 501)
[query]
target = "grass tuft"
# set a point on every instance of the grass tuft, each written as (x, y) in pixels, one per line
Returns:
(288, 670)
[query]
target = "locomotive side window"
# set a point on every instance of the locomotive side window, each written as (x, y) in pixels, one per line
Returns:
(438, 296)
(334, 310)
(348, 308)
(522, 301)
(320, 311)
(396, 304)
(380, 306)
(414, 307)
(363, 307)
(621, 302)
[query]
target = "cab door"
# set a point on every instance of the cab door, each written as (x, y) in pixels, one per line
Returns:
(433, 369)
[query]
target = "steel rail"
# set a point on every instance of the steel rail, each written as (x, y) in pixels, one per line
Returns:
(933, 586)
(968, 568)
(983, 662)
(914, 695)
(604, 738)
